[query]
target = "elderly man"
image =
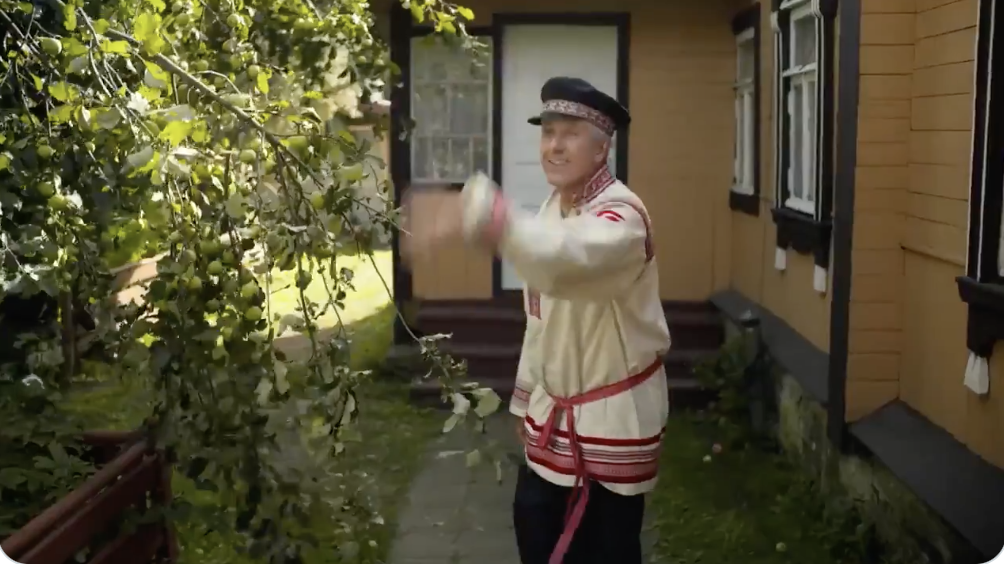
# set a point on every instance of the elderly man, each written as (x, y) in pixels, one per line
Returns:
(591, 397)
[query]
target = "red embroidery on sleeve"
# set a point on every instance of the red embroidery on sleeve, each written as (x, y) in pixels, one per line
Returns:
(649, 247)
(533, 303)
(610, 214)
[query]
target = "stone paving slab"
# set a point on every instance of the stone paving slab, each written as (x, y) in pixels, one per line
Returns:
(455, 514)
(458, 515)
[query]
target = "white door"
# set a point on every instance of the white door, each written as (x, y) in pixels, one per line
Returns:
(531, 54)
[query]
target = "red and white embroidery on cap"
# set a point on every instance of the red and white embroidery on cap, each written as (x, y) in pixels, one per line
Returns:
(582, 111)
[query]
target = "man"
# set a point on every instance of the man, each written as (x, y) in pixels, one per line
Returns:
(591, 393)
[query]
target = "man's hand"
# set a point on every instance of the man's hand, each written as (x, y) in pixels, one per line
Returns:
(521, 430)
(433, 218)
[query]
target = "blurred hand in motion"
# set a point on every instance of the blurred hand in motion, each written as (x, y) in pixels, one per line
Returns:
(432, 219)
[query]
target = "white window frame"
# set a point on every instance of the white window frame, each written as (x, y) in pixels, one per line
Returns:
(744, 169)
(805, 76)
(418, 46)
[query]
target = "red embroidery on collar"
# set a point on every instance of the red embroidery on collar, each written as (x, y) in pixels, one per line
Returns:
(597, 184)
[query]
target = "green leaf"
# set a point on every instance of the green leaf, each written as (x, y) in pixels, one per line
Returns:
(452, 422)
(101, 26)
(176, 132)
(108, 119)
(140, 158)
(146, 30)
(262, 80)
(235, 206)
(150, 94)
(465, 13)
(115, 47)
(63, 91)
(264, 390)
(38, 82)
(69, 16)
(417, 12)
(488, 402)
(5, 159)
(159, 75)
(61, 114)
(73, 47)
(281, 384)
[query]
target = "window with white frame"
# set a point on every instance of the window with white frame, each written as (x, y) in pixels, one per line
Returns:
(745, 100)
(451, 103)
(800, 80)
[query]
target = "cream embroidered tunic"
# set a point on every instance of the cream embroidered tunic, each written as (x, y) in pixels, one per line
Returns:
(594, 317)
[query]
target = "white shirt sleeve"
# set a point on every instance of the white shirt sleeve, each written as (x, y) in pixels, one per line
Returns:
(593, 256)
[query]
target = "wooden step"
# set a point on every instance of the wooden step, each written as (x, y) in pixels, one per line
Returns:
(473, 324)
(495, 366)
(694, 327)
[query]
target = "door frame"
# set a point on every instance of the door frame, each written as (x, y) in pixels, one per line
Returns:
(619, 20)
(402, 30)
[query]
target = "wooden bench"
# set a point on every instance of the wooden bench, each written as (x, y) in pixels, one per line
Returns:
(134, 477)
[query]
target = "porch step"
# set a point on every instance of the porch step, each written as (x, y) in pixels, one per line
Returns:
(471, 324)
(690, 326)
(495, 366)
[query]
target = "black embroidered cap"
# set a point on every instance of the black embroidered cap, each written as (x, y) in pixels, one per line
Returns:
(577, 98)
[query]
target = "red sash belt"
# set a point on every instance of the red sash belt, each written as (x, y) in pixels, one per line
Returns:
(580, 490)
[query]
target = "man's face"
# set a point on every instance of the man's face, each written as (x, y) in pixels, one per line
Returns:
(570, 151)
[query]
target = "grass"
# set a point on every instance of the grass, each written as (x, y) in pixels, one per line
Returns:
(369, 296)
(394, 433)
(747, 506)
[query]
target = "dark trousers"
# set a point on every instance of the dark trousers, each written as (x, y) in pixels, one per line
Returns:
(609, 533)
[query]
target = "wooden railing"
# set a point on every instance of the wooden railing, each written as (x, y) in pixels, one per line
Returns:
(134, 477)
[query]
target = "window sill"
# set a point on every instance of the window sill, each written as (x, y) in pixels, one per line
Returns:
(986, 314)
(745, 203)
(800, 231)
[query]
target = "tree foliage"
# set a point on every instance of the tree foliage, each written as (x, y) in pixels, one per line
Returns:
(212, 134)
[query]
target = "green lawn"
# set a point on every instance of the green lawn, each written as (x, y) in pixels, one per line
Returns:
(394, 434)
(747, 506)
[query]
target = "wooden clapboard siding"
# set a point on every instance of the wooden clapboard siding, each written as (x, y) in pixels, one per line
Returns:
(881, 178)
(907, 323)
(935, 237)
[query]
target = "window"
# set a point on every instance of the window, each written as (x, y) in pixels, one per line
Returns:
(803, 152)
(799, 76)
(745, 195)
(981, 287)
(451, 106)
(743, 178)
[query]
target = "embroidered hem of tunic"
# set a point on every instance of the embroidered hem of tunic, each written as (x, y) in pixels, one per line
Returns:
(613, 461)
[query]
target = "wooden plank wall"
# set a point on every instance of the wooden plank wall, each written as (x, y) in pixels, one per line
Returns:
(887, 52)
(908, 325)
